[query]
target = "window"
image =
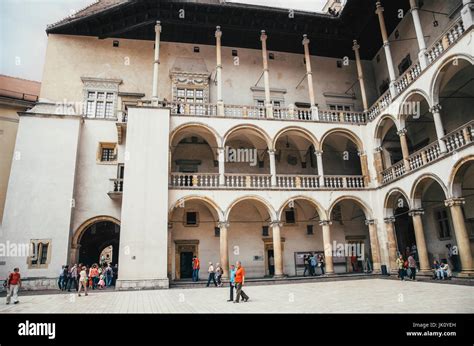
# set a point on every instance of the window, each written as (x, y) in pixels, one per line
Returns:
(444, 230)
(100, 104)
(404, 64)
(217, 232)
(192, 96)
(309, 229)
(234, 52)
(107, 153)
(290, 217)
(340, 107)
(192, 218)
(40, 253)
(265, 231)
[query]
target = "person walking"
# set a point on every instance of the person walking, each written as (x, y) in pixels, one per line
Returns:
(307, 264)
(412, 267)
(109, 274)
(401, 270)
(232, 282)
(72, 278)
(219, 273)
(321, 263)
(313, 262)
(61, 278)
(115, 270)
(13, 285)
(83, 281)
(239, 282)
(196, 267)
(212, 275)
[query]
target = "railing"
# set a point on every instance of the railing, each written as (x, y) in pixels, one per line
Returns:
(342, 116)
(239, 111)
(345, 181)
(194, 180)
(117, 185)
(297, 181)
(447, 39)
(198, 109)
(457, 139)
(382, 102)
(239, 180)
(408, 77)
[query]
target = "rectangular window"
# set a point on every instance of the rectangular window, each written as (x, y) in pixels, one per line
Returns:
(107, 152)
(39, 258)
(444, 230)
(191, 218)
(100, 104)
(340, 107)
(290, 217)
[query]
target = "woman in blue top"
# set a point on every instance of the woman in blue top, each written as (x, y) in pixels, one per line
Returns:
(232, 282)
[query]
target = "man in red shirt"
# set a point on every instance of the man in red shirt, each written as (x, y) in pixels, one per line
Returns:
(13, 285)
(239, 282)
(196, 267)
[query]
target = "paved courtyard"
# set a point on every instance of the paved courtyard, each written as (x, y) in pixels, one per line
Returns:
(357, 296)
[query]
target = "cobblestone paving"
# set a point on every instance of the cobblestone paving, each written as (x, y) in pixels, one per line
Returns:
(357, 296)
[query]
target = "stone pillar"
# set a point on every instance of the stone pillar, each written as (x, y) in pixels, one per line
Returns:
(319, 161)
(277, 248)
(156, 64)
(403, 142)
(392, 242)
(221, 160)
(419, 35)
(420, 239)
(271, 153)
(378, 163)
(364, 166)
(266, 80)
(309, 75)
(467, 13)
(170, 248)
(436, 111)
(386, 46)
(374, 245)
(462, 236)
(325, 224)
(360, 75)
(220, 102)
(224, 247)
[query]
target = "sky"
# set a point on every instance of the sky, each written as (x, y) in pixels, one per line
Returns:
(23, 39)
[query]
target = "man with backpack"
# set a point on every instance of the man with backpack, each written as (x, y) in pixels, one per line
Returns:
(13, 284)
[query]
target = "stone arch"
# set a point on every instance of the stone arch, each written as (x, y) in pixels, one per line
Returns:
(346, 133)
(76, 238)
(454, 180)
(378, 136)
(390, 199)
(402, 116)
(209, 134)
(365, 208)
(264, 202)
(206, 200)
(319, 209)
(306, 134)
(439, 73)
(420, 185)
(251, 127)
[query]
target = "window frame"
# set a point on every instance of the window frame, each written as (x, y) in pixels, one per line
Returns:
(185, 218)
(438, 221)
(107, 145)
(40, 243)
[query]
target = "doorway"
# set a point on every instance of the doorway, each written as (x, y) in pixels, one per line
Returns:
(186, 266)
(271, 262)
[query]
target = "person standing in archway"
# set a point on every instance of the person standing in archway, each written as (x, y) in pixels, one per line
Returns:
(82, 281)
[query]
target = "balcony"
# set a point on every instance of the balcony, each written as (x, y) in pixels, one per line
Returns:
(116, 189)
(458, 139)
(263, 181)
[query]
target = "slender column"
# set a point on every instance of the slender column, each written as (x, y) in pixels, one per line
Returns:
(374, 245)
(420, 238)
(392, 242)
(277, 248)
(325, 224)
(386, 46)
(156, 63)
(467, 13)
(271, 153)
(319, 162)
(419, 35)
(462, 236)
(266, 80)
(403, 142)
(378, 163)
(221, 160)
(220, 102)
(224, 247)
(360, 75)
(170, 248)
(364, 166)
(309, 75)
(436, 111)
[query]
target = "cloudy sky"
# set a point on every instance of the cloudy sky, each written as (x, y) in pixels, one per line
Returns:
(23, 24)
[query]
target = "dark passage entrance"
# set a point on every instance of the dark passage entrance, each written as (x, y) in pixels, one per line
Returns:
(186, 266)
(95, 239)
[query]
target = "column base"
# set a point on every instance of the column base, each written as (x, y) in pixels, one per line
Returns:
(141, 284)
(465, 274)
(279, 276)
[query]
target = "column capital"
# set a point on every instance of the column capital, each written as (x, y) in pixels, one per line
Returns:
(275, 223)
(436, 108)
(416, 212)
(223, 224)
(263, 35)
(318, 152)
(378, 7)
(220, 150)
(378, 149)
(402, 132)
(390, 219)
(361, 152)
(369, 222)
(271, 151)
(325, 223)
(305, 40)
(355, 45)
(218, 33)
(455, 201)
(413, 5)
(158, 27)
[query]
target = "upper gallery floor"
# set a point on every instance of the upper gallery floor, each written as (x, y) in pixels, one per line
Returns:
(305, 66)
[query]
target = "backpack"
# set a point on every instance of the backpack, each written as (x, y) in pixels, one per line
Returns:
(313, 261)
